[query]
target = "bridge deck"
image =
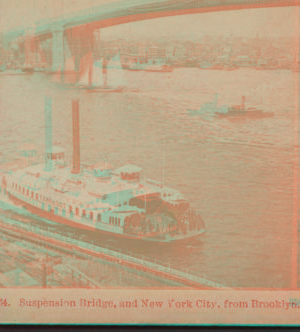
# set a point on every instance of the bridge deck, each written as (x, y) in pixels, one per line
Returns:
(120, 12)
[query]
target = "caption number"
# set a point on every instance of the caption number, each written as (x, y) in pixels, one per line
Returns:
(4, 303)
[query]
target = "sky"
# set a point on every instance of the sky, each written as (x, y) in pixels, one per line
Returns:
(267, 22)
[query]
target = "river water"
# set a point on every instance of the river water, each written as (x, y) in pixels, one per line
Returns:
(237, 174)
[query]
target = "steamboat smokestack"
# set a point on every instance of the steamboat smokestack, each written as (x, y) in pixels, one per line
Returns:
(48, 134)
(76, 137)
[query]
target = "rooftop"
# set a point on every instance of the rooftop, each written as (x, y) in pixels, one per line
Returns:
(102, 165)
(27, 147)
(128, 169)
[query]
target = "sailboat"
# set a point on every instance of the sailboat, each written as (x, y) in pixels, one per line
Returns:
(84, 78)
(40, 63)
(98, 79)
(67, 73)
(97, 76)
(30, 63)
(115, 75)
(70, 64)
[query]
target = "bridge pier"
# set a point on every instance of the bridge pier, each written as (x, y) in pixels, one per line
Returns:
(57, 49)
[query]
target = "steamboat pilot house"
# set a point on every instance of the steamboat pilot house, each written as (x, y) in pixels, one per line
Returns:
(115, 189)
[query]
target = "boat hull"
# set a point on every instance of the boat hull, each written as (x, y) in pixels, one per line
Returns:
(104, 90)
(162, 238)
(13, 72)
(245, 115)
(99, 89)
(156, 69)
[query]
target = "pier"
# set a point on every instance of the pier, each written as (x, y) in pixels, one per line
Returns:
(83, 249)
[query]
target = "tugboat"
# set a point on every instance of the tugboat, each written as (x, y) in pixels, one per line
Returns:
(100, 198)
(240, 112)
(152, 66)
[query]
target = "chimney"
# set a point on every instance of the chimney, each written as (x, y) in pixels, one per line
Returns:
(48, 134)
(76, 137)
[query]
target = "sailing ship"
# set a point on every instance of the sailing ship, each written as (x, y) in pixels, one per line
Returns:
(30, 62)
(102, 75)
(116, 202)
(41, 63)
(67, 73)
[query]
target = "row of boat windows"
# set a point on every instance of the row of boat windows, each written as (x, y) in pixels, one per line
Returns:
(27, 192)
(84, 214)
(30, 193)
(114, 221)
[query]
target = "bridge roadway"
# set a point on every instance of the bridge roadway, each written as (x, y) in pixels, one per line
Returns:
(82, 248)
(120, 12)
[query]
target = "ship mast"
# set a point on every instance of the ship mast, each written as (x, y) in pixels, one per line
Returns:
(1, 128)
(243, 103)
(164, 162)
(76, 137)
(48, 134)
(145, 196)
(216, 101)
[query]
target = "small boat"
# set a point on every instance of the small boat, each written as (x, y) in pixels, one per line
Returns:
(30, 62)
(67, 75)
(13, 72)
(153, 66)
(240, 112)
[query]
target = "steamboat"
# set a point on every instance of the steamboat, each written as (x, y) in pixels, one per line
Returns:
(99, 197)
(241, 112)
